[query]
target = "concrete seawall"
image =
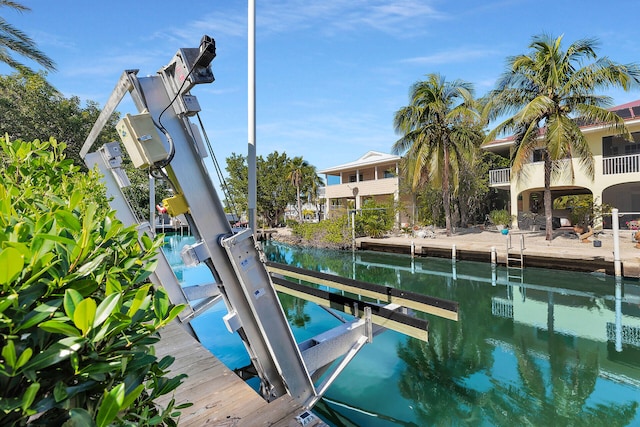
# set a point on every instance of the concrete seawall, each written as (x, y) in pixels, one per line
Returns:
(564, 252)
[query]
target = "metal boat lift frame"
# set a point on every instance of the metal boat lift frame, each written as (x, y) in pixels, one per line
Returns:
(236, 262)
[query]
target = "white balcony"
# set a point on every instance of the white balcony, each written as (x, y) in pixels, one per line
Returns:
(610, 166)
(621, 164)
(363, 188)
(499, 177)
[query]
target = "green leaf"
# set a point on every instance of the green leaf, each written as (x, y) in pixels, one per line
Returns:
(75, 199)
(173, 313)
(40, 313)
(79, 417)
(105, 309)
(89, 267)
(8, 301)
(160, 303)
(141, 294)
(113, 285)
(71, 299)
(56, 238)
(11, 264)
(110, 406)
(146, 242)
(9, 354)
(60, 391)
(131, 397)
(84, 315)
(56, 353)
(24, 357)
(29, 396)
(68, 220)
(59, 327)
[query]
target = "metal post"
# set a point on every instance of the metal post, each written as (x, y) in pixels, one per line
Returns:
(152, 202)
(251, 152)
(617, 265)
(353, 231)
(618, 305)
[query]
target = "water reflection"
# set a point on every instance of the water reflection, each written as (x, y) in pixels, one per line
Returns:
(546, 348)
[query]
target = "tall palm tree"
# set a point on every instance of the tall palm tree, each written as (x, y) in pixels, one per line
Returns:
(546, 90)
(296, 177)
(437, 134)
(312, 183)
(14, 40)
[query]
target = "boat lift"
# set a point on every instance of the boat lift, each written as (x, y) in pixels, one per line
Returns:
(162, 139)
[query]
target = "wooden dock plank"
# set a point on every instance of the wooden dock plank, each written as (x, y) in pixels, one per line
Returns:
(219, 396)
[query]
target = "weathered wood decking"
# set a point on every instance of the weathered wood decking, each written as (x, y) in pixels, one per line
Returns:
(219, 397)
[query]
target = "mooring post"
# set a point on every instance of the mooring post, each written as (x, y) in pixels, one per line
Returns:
(494, 257)
(618, 305)
(617, 265)
(453, 252)
(413, 249)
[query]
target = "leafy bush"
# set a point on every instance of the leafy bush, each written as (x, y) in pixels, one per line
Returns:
(500, 217)
(77, 316)
(334, 232)
(375, 219)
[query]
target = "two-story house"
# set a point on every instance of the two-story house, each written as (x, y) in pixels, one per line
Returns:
(616, 181)
(374, 176)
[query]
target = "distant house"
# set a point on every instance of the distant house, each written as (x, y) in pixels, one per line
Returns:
(616, 180)
(374, 176)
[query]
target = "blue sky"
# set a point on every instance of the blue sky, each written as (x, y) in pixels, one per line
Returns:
(330, 73)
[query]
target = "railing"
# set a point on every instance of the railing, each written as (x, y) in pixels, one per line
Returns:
(610, 166)
(500, 176)
(621, 164)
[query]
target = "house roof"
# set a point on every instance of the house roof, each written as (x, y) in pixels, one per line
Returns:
(629, 111)
(370, 158)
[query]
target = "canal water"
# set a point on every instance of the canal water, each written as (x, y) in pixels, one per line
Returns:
(539, 347)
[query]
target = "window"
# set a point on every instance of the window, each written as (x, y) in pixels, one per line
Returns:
(352, 178)
(618, 146)
(537, 155)
(389, 174)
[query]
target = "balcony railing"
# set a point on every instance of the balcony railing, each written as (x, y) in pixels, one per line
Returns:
(621, 164)
(610, 166)
(500, 176)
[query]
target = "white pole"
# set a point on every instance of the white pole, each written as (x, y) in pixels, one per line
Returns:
(618, 305)
(251, 152)
(413, 249)
(617, 266)
(353, 231)
(493, 256)
(152, 203)
(453, 252)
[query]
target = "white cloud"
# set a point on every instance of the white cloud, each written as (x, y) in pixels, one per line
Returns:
(452, 56)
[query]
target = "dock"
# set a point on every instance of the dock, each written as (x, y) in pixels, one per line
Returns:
(218, 395)
(564, 252)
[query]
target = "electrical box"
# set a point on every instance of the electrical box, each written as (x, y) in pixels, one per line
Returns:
(141, 139)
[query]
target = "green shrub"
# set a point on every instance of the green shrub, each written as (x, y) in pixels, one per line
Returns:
(375, 219)
(77, 316)
(334, 232)
(500, 217)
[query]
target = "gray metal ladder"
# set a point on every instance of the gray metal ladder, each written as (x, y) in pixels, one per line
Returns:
(515, 262)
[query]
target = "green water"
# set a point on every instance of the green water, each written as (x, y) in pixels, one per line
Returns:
(549, 348)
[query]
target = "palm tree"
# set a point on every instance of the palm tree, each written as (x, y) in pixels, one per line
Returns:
(545, 90)
(311, 185)
(437, 134)
(296, 177)
(14, 40)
